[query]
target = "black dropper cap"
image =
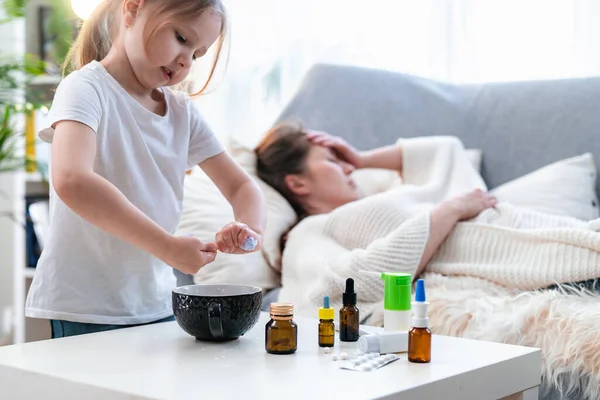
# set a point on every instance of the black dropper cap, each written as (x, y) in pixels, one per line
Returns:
(349, 296)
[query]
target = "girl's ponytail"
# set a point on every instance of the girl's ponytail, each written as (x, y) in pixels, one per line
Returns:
(95, 37)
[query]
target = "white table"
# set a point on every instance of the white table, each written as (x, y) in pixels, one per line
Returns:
(162, 362)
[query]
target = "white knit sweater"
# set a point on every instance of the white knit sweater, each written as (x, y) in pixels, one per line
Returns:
(388, 231)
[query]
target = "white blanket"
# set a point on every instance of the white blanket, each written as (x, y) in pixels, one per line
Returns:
(506, 248)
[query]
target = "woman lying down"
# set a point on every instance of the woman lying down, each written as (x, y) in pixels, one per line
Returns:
(440, 224)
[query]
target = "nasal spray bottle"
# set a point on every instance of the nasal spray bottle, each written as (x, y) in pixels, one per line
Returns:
(419, 336)
(396, 299)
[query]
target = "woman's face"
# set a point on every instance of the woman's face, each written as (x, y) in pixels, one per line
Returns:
(326, 183)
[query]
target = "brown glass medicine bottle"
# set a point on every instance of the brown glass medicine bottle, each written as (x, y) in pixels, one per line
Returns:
(326, 324)
(419, 336)
(419, 345)
(281, 332)
(349, 316)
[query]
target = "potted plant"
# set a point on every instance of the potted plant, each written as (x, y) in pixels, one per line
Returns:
(16, 98)
(13, 74)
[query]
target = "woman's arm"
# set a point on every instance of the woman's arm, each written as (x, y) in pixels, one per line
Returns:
(410, 246)
(99, 202)
(443, 219)
(244, 195)
(388, 157)
(445, 216)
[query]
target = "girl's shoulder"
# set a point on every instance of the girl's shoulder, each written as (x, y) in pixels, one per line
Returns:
(183, 103)
(91, 72)
(81, 81)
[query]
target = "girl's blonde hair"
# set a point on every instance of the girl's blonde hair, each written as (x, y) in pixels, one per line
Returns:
(96, 34)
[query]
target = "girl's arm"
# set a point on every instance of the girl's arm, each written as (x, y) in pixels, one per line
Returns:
(99, 202)
(244, 195)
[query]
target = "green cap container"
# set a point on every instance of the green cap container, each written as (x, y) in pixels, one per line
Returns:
(397, 291)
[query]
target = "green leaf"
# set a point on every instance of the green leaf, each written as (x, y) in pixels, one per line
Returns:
(33, 66)
(14, 8)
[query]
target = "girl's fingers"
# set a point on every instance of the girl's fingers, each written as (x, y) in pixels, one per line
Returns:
(237, 233)
(236, 238)
(224, 239)
(230, 238)
(220, 241)
(243, 234)
(208, 247)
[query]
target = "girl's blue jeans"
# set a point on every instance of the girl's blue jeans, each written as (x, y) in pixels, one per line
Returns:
(67, 328)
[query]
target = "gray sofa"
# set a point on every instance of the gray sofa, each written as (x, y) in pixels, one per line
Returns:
(519, 126)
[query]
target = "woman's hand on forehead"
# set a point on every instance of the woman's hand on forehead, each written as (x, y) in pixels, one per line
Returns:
(339, 146)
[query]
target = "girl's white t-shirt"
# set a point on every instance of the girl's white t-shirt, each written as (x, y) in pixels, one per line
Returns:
(85, 274)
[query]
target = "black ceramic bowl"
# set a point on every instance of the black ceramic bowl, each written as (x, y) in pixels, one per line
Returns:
(217, 313)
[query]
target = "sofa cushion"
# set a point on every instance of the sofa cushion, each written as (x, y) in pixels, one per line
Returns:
(566, 187)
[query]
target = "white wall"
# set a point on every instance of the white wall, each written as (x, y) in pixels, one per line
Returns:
(12, 41)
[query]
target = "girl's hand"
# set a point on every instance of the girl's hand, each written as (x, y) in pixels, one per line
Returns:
(188, 254)
(471, 204)
(340, 147)
(233, 236)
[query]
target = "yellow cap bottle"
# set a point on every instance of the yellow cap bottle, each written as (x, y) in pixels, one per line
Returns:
(326, 324)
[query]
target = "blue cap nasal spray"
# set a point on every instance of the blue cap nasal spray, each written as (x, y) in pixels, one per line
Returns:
(420, 307)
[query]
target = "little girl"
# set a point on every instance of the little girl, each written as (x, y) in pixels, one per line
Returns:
(121, 143)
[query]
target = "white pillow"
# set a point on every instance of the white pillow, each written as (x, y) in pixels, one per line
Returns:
(566, 187)
(205, 211)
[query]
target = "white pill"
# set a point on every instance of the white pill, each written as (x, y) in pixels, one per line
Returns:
(327, 350)
(344, 355)
(334, 357)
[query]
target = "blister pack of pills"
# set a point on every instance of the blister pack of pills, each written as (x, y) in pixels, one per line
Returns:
(369, 362)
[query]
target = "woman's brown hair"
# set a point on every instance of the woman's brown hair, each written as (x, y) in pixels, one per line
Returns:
(283, 151)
